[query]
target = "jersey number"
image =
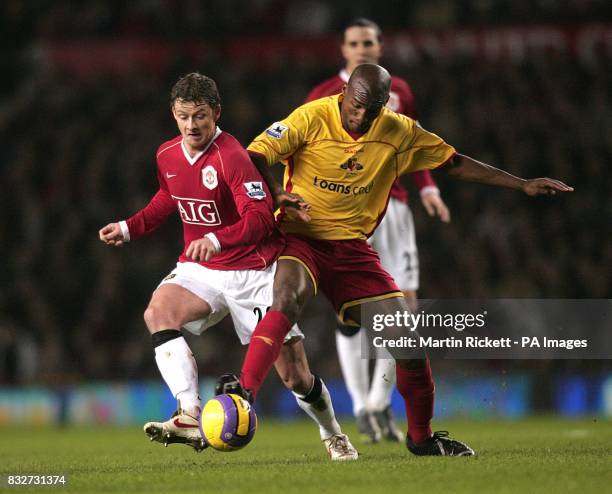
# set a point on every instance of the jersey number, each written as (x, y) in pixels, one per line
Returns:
(259, 313)
(409, 261)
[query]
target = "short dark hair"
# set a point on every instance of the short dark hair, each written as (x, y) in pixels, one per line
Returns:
(196, 88)
(363, 22)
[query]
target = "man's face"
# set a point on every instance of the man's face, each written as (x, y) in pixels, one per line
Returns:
(197, 123)
(360, 46)
(359, 108)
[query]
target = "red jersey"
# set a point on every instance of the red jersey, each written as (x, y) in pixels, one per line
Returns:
(218, 191)
(401, 100)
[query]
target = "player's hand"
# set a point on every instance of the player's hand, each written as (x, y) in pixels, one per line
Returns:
(111, 234)
(201, 249)
(435, 206)
(294, 203)
(544, 186)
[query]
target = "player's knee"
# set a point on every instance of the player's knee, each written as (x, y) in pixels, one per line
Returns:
(289, 303)
(157, 317)
(150, 317)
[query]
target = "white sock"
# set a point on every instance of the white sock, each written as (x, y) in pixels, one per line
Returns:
(354, 369)
(320, 409)
(383, 381)
(180, 371)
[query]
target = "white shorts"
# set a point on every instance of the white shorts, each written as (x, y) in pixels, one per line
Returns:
(246, 295)
(395, 243)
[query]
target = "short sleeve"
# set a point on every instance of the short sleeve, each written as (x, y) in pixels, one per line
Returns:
(281, 139)
(422, 150)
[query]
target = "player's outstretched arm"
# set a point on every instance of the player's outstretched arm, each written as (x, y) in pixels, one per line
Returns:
(465, 168)
(281, 197)
(111, 234)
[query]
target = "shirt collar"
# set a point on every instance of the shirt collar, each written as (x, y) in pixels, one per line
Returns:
(198, 155)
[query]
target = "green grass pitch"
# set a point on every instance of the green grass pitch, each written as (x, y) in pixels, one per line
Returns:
(536, 455)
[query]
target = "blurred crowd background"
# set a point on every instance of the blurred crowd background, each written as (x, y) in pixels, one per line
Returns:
(78, 152)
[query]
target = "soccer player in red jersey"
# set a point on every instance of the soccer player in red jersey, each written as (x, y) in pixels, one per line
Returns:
(342, 154)
(394, 240)
(227, 265)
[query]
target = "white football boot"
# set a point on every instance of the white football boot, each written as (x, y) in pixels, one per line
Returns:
(180, 428)
(340, 448)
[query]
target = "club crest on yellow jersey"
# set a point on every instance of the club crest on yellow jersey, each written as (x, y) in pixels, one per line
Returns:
(352, 166)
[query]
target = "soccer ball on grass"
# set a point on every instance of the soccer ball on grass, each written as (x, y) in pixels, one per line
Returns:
(228, 422)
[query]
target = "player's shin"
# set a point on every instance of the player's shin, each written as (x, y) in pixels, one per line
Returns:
(178, 368)
(318, 405)
(379, 397)
(354, 368)
(416, 385)
(264, 349)
(383, 380)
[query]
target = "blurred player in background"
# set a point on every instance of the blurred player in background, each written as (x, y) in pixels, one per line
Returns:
(227, 265)
(394, 240)
(342, 155)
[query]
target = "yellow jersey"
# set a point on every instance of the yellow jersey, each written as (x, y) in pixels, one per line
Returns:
(346, 181)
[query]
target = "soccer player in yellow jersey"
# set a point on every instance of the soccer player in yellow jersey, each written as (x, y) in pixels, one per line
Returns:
(342, 154)
(394, 240)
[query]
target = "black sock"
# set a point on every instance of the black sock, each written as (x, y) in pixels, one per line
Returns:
(315, 393)
(161, 337)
